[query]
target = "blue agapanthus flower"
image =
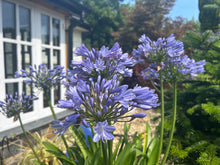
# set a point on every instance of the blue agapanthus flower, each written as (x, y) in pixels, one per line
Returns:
(103, 132)
(13, 105)
(105, 100)
(62, 126)
(42, 77)
(105, 62)
(166, 55)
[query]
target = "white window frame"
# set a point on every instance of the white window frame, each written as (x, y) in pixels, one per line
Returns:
(40, 116)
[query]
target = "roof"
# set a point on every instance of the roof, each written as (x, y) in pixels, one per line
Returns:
(72, 6)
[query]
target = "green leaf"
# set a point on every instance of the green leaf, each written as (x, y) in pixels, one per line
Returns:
(38, 163)
(80, 140)
(97, 158)
(153, 149)
(116, 149)
(58, 153)
(92, 145)
(147, 137)
(127, 155)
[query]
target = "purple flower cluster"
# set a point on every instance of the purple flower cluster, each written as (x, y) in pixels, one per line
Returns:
(14, 105)
(105, 62)
(42, 77)
(104, 101)
(166, 55)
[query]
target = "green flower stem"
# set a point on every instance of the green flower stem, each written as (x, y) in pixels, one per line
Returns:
(105, 154)
(173, 123)
(29, 142)
(162, 119)
(55, 117)
(110, 143)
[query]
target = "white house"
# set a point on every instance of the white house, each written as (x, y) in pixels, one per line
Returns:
(33, 32)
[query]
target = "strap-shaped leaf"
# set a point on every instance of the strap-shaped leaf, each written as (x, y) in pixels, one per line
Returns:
(153, 149)
(147, 137)
(80, 140)
(92, 146)
(116, 149)
(58, 153)
(127, 155)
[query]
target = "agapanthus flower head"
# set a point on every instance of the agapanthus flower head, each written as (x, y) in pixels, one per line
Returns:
(166, 56)
(42, 77)
(105, 62)
(106, 100)
(13, 105)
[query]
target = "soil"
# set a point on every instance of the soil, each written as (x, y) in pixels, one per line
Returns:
(137, 125)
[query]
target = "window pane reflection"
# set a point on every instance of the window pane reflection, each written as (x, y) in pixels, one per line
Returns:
(56, 61)
(46, 98)
(8, 20)
(25, 56)
(46, 56)
(10, 58)
(25, 24)
(56, 32)
(27, 89)
(11, 88)
(56, 57)
(45, 29)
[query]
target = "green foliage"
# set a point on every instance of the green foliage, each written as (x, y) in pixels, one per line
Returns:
(81, 143)
(197, 128)
(141, 150)
(209, 15)
(209, 157)
(103, 19)
(203, 46)
(145, 17)
(46, 157)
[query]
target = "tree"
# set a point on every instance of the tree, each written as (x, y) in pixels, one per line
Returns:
(146, 17)
(197, 129)
(103, 19)
(209, 15)
(178, 26)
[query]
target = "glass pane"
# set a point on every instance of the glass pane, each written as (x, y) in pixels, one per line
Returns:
(45, 98)
(8, 20)
(56, 32)
(25, 23)
(10, 60)
(56, 57)
(45, 29)
(11, 88)
(27, 89)
(46, 56)
(56, 61)
(57, 95)
(25, 56)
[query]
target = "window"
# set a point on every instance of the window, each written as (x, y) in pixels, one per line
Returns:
(17, 45)
(50, 46)
(8, 20)
(29, 36)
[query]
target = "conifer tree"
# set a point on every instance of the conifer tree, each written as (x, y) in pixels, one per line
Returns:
(209, 15)
(197, 129)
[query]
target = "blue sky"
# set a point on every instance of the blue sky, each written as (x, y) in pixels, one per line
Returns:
(184, 8)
